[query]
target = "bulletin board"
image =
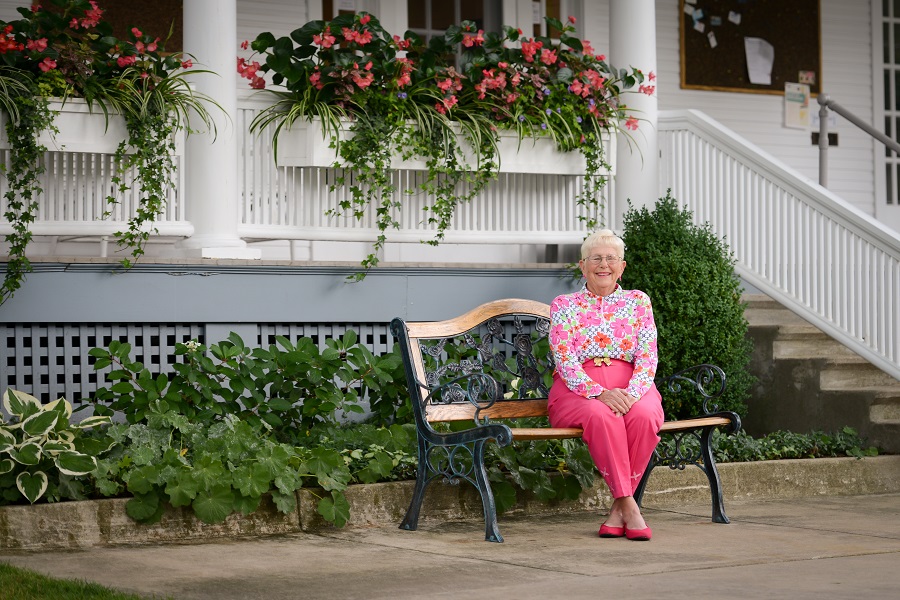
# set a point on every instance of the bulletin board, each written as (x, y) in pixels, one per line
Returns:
(713, 54)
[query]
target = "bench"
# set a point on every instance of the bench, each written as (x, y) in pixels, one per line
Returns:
(494, 363)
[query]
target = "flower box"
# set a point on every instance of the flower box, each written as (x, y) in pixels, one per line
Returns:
(305, 145)
(80, 130)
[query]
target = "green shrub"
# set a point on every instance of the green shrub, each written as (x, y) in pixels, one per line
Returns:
(689, 275)
(291, 386)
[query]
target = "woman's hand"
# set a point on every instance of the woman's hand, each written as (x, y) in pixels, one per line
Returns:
(618, 400)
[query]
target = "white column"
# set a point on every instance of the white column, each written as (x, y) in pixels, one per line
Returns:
(632, 33)
(211, 196)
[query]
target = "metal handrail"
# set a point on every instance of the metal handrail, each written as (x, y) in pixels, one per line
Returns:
(825, 102)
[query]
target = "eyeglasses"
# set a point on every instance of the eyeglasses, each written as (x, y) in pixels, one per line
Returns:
(597, 259)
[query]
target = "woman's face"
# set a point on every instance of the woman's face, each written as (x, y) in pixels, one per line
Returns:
(601, 275)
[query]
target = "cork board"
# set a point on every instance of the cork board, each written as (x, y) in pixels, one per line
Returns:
(714, 52)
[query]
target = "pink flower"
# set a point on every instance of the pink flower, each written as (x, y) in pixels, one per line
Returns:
(326, 40)
(139, 46)
(587, 49)
(136, 32)
(245, 44)
(47, 65)
(631, 123)
(152, 46)
(73, 23)
(529, 49)
(651, 76)
(647, 89)
(548, 57)
(124, 61)
(187, 64)
(315, 79)
(37, 45)
(571, 19)
(402, 44)
(365, 19)
(363, 80)
(474, 40)
(258, 83)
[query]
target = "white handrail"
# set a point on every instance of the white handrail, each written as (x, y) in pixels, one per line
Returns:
(823, 258)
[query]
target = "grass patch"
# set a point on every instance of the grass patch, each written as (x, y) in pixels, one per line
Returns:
(24, 584)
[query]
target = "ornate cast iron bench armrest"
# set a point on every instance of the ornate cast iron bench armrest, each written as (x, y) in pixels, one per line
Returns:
(709, 381)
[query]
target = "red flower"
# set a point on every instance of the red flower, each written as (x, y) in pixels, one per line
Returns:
(631, 123)
(124, 61)
(37, 45)
(187, 64)
(365, 19)
(245, 44)
(647, 89)
(136, 32)
(47, 65)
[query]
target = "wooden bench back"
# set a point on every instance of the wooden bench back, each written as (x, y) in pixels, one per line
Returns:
(511, 329)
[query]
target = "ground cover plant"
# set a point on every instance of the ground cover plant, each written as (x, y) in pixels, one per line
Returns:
(220, 434)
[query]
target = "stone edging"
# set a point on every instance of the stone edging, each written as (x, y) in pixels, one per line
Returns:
(72, 525)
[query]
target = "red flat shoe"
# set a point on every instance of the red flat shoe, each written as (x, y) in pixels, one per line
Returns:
(638, 535)
(611, 532)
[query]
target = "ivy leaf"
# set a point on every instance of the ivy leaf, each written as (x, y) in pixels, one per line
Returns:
(145, 508)
(286, 502)
(246, 504)
(504, 495)
(212, 506)
(335, 509)
(183, 490)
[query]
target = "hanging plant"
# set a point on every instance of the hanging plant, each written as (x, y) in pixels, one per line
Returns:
(66, 50)
(445, 102)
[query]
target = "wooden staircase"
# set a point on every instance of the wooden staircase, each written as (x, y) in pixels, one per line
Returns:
(807, 381)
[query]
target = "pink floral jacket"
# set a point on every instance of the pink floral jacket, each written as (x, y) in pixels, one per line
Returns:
(620, 326)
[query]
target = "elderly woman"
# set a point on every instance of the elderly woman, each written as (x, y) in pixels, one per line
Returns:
(603, 339)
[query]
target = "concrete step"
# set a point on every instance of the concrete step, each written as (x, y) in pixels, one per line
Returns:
(857, 377)
(885, 410)
(812, 347)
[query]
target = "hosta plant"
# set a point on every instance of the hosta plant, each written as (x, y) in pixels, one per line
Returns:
(42, 451)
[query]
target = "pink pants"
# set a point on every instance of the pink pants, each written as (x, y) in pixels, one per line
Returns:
(620, 446)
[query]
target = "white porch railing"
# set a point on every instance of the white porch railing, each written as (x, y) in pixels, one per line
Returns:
(78, 179)
(279, 202)
(794, 240)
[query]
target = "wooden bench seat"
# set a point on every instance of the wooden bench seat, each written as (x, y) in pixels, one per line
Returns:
(493, 363)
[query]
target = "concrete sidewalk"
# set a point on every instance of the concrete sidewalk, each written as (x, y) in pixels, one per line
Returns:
(823, 547)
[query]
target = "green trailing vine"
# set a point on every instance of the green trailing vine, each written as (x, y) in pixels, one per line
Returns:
(23, 172)
(444, 100)
(155, 172)
(67, 50)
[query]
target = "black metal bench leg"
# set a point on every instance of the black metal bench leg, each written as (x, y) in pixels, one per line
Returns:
(712, 474)
(639, 492)
(491, 528)
(411, 520)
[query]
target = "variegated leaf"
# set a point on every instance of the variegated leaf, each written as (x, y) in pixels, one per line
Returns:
(20, 404)
(27, 454)
(40, 424)
(6, 465)
(75, 463)
(32, 485)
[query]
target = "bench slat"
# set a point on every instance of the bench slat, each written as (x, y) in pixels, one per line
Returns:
(546, 433)
(510, 409)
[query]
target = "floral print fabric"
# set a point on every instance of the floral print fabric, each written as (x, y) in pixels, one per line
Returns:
(620, 326)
